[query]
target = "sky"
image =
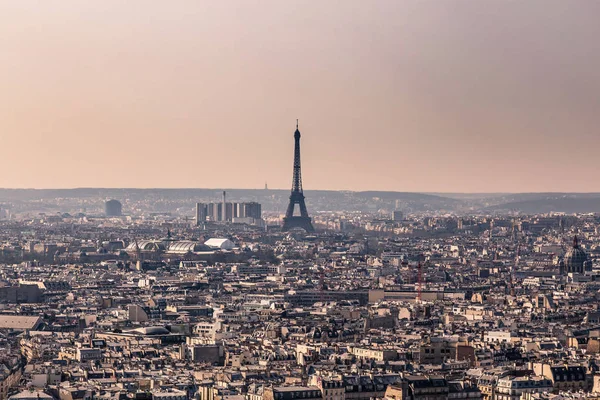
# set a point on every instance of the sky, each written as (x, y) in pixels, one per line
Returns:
(425, 96)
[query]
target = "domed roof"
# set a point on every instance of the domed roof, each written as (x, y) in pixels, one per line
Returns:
(146, 245)
(184, 246)
(575, 256)
(152, 331)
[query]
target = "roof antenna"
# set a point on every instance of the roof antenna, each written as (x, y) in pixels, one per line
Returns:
(296, 123)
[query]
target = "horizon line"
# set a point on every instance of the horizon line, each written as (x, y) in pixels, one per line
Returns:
(308, 190)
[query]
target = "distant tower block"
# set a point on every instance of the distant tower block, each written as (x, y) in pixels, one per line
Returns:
(302, 221)
(113, 208)
(201, 213)
(397, 216)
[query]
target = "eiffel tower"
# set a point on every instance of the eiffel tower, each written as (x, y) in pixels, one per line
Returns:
(291, 221)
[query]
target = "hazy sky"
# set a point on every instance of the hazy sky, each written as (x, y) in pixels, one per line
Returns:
(432, 95)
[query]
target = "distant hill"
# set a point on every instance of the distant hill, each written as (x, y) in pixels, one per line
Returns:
(545, 203)
(272, 200)
(183, 200)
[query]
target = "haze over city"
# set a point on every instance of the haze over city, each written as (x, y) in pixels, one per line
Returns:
(431, 96)
(299, 200)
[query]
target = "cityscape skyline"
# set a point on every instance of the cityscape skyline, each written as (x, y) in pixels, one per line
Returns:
(436, 238)
(403, 96)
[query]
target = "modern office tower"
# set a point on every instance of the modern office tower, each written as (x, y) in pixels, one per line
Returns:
(397, 216)
(291, 221)
(113, 208)
(201, 213)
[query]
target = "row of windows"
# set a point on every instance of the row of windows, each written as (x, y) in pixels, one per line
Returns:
(432, 351)
(564, 377)
(430, 390)
(430, 397)
(299, 395)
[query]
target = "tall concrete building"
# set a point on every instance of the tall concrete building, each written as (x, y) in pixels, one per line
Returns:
(113, 208)
(201, 213)
(251, 210)
(247, 210)
(575, 259)
(397, 216)
(227, 212)
(213, 211)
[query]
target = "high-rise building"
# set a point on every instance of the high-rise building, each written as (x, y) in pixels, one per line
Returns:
(227, 212)
(252, 210)
(397, 216)
(238, 210)
(213, 211)
(113, 208)
(201, 213)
